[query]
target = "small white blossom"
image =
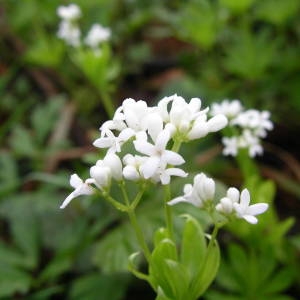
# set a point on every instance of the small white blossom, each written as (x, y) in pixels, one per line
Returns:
(252, 142)
(238, 204)
(249, 127)
(159, 156)
(187, 119)
(106, 169)
(97, 35)
(231, 145)
(131, 171)
(226, 204)
(202, 191)
(255, 120)
(246, 211)
(228, 108)
(70, 33)
(81, 188)
(69, 13)
(114, 143)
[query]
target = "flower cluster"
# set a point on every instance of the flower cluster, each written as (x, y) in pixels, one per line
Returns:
(68, 27)
(248, 127)
(153, 135)
(69, 30)
(201, 194)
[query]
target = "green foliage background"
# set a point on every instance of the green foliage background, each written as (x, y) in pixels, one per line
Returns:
(53, 100)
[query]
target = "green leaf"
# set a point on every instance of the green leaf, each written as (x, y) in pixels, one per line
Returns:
(112, 251)
(133, 269)
(277, 12)
(158, 267)
(193, 247)
(160, 234)
(44, 117)
(22, 142)
(250, 55)
(280, 229)
(45, 51)
(8, 173)
(10, 256)
(198, 22)
(13, 280)
(208, 271)
(237, 7)
(278, 282)
(47, 293)
(57, 266)
(98, 68)
(27, 237)
(97, 286)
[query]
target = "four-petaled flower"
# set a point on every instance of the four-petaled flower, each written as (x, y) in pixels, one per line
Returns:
(159, 157)
(81, 188)
(246, 211)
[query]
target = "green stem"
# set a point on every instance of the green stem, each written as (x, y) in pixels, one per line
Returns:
(167, 208)
(114, 202)
(168, 212)
(213, 237)
(138, 197)
(134, 222)
(108, 104)
(246, 164)
(139, 234)
(176, 145)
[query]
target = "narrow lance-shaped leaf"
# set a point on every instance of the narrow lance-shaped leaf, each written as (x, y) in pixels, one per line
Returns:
(208, 272)
(193, 248)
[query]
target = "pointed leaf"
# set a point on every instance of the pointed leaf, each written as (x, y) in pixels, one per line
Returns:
(193, 248)
(208, 272)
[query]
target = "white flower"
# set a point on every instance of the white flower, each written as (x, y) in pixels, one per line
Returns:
(106, 169)
(114, 143)
(228, 108)
(186, 119)
(255, 120)
(252, 142)
(231, 145)
(198, 194)
(96, 35)
(246, 211)
(246, 140)
(69, 13)
(81, 188)
(70, 33)
(159, 156)
(131, 171)
(226, 204)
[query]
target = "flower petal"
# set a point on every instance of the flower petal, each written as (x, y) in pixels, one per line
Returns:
(162, 140)
(103, 142)
(144, 147)
(172, 158)
(75, 181)
(245, 199)
(68, 200)
(177, 200)
(257, 209)
(250, 219)
(149, 168)
(217, 123)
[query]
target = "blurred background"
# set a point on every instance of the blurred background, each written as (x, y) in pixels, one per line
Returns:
(54, 97)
